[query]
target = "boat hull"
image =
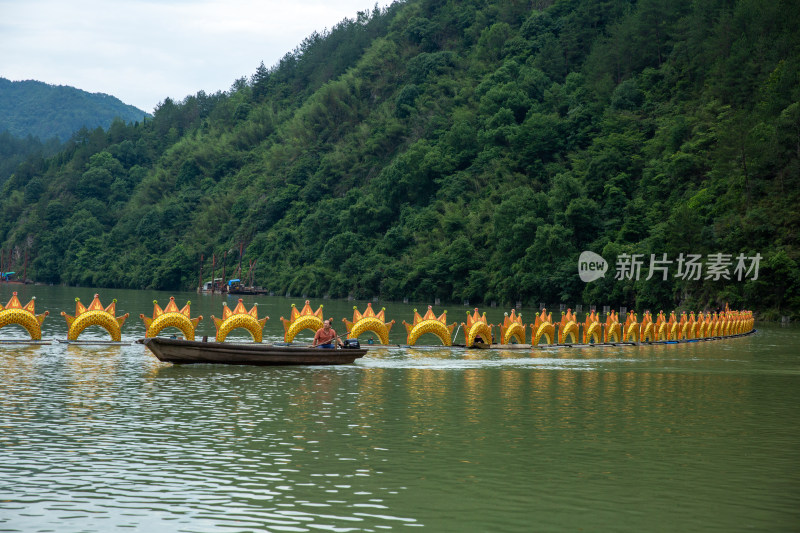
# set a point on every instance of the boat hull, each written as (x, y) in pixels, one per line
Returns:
(190, 352)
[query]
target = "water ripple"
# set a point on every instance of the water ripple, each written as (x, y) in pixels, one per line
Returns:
(107, 438)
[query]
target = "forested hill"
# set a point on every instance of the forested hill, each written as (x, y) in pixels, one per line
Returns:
(37, 109)
(465, 150)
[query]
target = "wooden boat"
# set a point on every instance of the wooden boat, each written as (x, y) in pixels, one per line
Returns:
(480, 345)
(184, 352)
(247, 290)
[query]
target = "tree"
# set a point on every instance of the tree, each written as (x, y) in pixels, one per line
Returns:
(260, 82)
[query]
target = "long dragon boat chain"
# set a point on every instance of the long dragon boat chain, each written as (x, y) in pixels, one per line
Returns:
(568, 332)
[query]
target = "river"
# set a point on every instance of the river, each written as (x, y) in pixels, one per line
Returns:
(690, 437)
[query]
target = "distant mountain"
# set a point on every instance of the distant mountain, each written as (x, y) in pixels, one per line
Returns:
(457, 151)
(45, 111)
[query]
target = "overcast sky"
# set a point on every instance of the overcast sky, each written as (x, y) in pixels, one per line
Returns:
(142, 51)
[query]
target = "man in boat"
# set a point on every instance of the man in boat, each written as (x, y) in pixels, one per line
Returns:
(326, 337)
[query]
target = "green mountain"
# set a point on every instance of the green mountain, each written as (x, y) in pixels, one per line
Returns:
(56, 111)
(461, 151)
(15, 151)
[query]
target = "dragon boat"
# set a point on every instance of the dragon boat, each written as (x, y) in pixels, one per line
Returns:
(478, 332)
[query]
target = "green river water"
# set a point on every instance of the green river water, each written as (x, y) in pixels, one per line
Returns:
(690, 437)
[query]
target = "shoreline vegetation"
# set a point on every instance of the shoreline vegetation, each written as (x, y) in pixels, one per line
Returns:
(460, 151)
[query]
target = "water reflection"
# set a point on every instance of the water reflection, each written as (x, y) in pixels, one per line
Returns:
(96, 438)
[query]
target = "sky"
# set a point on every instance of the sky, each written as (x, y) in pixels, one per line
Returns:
(143, 51)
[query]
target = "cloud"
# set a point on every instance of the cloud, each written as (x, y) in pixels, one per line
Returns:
(145, 51)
